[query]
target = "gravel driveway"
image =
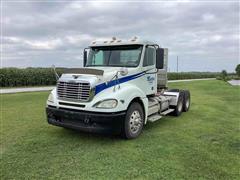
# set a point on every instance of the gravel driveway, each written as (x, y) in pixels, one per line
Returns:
(234, 82)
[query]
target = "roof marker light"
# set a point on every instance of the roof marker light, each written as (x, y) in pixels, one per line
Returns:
(134, 38)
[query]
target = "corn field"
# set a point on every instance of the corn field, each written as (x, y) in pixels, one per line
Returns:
(15, 77)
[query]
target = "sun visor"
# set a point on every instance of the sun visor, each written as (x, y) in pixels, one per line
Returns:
(96, 72)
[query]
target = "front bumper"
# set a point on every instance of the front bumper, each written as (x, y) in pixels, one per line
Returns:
(84, 120)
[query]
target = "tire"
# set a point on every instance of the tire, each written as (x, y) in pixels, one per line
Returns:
(179, 108)
(133, 123)
(186, 101)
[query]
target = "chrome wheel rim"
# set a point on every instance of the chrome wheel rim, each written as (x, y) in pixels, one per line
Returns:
(135, 122)
(187, 103)
(180, 105)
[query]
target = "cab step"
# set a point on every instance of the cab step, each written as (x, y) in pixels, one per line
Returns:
(154, 117)
(164, 113)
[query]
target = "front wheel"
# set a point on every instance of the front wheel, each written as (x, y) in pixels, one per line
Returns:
(134, 120)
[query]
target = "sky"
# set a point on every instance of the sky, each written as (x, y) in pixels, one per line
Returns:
(204, 35)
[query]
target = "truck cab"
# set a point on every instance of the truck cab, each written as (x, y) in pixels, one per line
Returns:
(122, 86)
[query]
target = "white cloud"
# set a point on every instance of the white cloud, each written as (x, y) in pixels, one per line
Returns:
(216, 38)
(44, 45)
(208, 17)
(12, 39)
(76, 39)
(75, 5)
(35, 44)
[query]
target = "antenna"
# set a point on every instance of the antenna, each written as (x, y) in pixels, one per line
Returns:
(177, 63)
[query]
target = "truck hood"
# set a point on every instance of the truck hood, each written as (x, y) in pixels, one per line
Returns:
(93, 78)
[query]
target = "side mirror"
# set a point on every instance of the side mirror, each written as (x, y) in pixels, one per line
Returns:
(159, 58)
(123, 71)
(84, 57)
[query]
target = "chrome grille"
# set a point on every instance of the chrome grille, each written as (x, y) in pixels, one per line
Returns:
(73, 91)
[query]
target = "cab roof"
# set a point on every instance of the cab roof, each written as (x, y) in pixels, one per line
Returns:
(119, 42)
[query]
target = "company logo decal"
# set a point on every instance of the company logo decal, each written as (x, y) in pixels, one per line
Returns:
(75, 76)
(150, 79)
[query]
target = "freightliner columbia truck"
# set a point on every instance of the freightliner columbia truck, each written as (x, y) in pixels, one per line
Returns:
(121, 88)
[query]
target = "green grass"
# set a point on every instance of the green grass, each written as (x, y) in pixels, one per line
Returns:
(201, 144)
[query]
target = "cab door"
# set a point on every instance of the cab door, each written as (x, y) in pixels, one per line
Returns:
(149, 67)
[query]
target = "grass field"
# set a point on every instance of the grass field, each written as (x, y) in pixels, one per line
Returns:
(201, 144)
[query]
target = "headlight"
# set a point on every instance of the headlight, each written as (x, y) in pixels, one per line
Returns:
(50, 98)
(106, 104)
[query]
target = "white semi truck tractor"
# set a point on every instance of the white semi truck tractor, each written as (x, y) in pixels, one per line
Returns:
(121, 88)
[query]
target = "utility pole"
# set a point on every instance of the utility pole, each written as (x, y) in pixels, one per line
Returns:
(177, 63)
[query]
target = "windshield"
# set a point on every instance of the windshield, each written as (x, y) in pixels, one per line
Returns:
(118, 56)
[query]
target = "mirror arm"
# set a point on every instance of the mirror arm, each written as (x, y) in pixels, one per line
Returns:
(55, 72)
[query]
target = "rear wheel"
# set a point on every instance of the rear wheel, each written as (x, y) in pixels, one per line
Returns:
(179, 108)
(186, 101)
(133, 123)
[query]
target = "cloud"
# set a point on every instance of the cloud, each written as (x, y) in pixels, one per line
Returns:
(42, 33)
(208, 17)
(45, 45)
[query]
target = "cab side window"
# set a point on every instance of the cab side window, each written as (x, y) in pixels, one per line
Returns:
(149, 57)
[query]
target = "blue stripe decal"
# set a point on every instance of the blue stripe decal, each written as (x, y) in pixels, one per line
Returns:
(103, 86)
